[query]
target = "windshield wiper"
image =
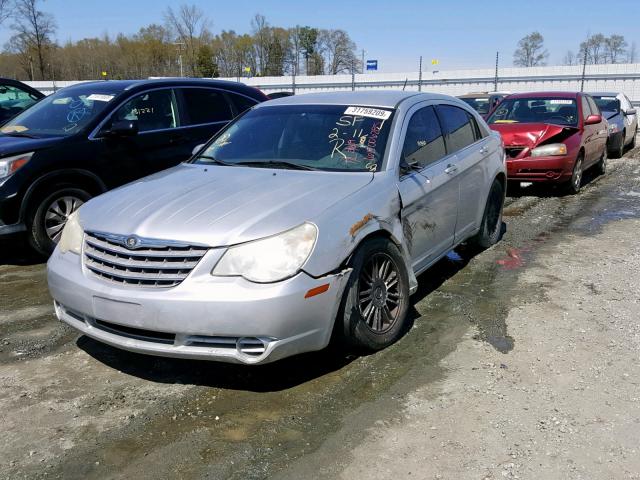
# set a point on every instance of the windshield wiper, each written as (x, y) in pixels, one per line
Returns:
(216, 161)
(277, 164)
(19, 134)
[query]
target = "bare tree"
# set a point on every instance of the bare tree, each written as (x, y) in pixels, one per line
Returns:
(632, 55)
(261, 34)
(191, 28)
(530, 51)
(338, 50)
(594, 47)
(5, 10)
(34, 30)
(570, 58)
(615, 48)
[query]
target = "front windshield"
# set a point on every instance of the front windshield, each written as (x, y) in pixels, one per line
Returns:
(480, 105)
(60, 114)
(608, 104)
(324, 137)
(559, 111)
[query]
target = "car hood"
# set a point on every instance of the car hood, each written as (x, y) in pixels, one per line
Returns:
(527, 134)
(14, 145)
(217, 205)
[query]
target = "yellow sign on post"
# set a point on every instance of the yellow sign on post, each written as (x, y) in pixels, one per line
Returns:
(104, 74)
(247, 69)
(435, 62)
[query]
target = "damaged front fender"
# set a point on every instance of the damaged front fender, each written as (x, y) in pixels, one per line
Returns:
(372, 210)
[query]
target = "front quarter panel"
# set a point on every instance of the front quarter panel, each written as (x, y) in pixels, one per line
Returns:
(342, 227)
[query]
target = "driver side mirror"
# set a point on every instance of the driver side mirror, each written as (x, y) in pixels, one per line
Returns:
(631, 111)
(123, 128)
(407, 166)
(593, 119)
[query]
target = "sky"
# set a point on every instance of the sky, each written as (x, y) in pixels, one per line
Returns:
(460, 34)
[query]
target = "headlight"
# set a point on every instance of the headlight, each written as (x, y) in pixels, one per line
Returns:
(613, 128)
(9, 165)
(549, 150)
(270, 259)
(71, 238)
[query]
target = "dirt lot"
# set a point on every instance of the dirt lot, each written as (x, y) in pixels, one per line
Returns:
(522, 363)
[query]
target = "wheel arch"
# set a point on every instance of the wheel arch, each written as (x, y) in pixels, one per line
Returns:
(68, 177)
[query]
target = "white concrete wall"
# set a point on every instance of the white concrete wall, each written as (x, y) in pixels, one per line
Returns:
(618, 77)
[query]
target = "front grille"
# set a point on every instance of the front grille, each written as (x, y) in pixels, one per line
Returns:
(513, 152)
(136, 333)
(155, 264)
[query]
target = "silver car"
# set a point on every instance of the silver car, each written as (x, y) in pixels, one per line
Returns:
(307, 216)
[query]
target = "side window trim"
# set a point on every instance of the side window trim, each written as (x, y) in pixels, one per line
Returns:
(585, 103)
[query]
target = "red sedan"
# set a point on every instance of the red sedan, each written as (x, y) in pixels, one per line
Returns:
(551, 136)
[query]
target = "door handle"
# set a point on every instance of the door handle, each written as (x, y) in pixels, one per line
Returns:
(451, 169)
(484, 150)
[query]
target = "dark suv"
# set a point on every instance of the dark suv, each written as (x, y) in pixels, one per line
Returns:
(91, 137)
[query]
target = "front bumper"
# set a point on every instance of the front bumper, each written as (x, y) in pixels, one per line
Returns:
(541, 169)
(204, 317)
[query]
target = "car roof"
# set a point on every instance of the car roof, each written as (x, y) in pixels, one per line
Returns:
(24, 86)
(118, 86)
(378, 98)
(482, 94)
(545, 94)
(604, 94)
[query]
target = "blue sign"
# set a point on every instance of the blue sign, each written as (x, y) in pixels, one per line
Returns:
(372, 64)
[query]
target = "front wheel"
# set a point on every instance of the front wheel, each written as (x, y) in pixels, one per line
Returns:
(619, 150)
(50, 214)
(576, 177)
(375, 302)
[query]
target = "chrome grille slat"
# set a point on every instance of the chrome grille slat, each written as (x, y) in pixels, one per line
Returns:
(165, 265)
(167, 252)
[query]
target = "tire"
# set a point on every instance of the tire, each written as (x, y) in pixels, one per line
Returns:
(491, 226)
(49, 215)
(362, 319)
(618, 152)
(574, 185)
(601, 166)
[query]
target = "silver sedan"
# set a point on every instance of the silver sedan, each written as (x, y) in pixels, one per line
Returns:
(307, 217)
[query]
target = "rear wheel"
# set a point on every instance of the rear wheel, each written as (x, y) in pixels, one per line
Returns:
(575, 183)
(491, 226)
(375, 302)
(49, 216)
(602, 164)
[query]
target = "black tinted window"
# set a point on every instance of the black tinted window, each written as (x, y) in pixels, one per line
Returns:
(241, 102)
(423, 142)
(457, 127)
(155, 110)
(206, 105)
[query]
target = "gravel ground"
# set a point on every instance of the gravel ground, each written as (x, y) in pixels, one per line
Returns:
(521, 363)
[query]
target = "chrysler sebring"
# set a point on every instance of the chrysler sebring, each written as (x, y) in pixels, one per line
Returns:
(306, 217)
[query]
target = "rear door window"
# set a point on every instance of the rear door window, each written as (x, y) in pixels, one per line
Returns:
(154, 110)
(241, 102)
(206, 105)
(423, 142)
(458, 130)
